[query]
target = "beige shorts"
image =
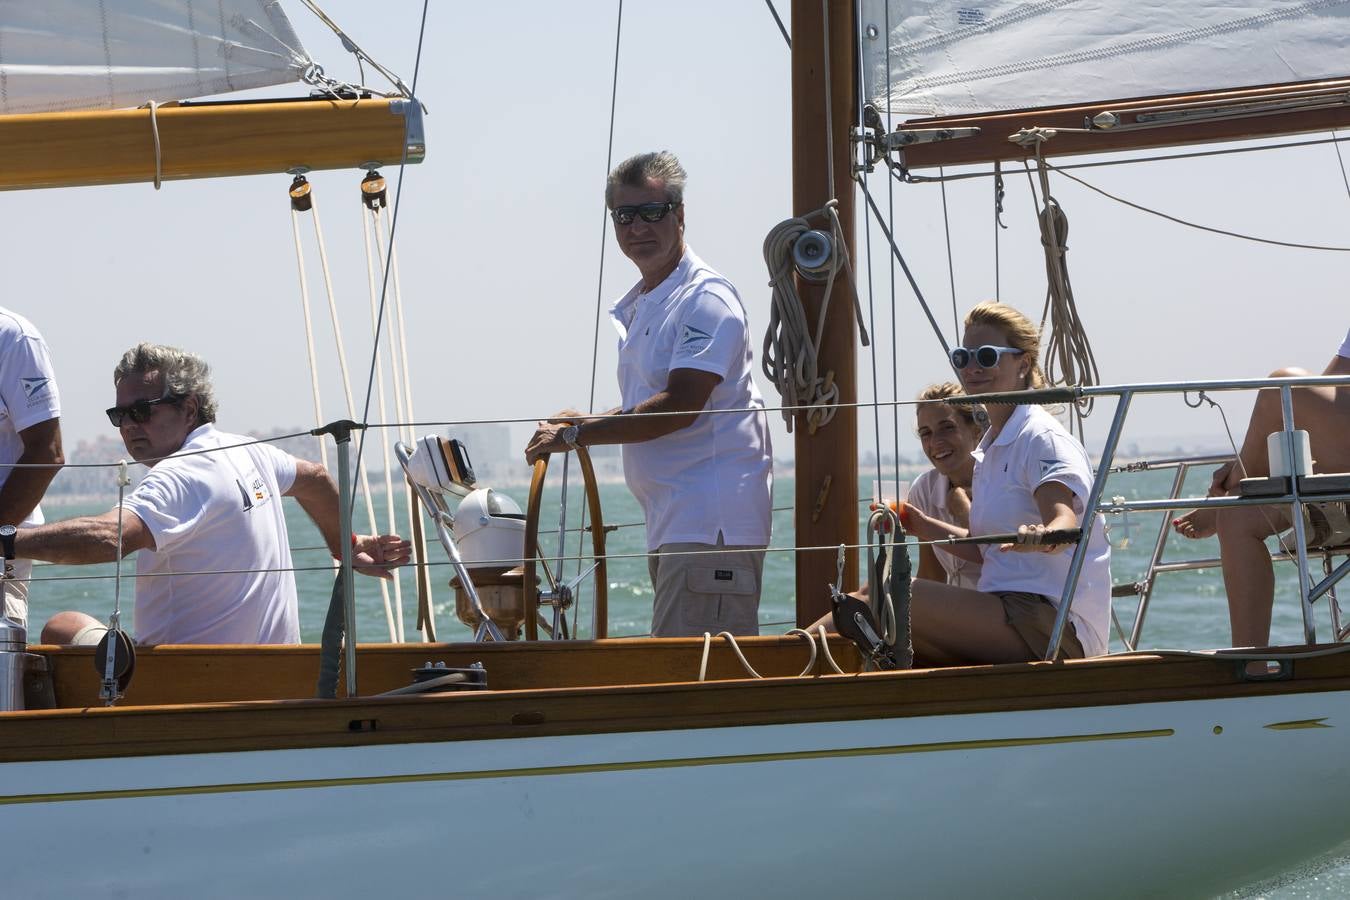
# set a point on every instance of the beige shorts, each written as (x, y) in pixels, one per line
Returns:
(1033, 617)
(89, 636)
(697, 592)
(1326, 524)
(16, 590)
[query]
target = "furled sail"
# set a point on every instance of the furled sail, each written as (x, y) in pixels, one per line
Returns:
(957, 57)
(79, 54)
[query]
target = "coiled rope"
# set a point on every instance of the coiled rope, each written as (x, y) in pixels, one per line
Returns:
(791, 358)
(1068, 356)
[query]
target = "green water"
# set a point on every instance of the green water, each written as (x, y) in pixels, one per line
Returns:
(1187, 609)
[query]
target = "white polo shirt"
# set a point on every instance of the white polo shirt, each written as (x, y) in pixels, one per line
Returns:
(220, 572)
(715, 476)
(28, 392)
(929, 493)
(1032, 449)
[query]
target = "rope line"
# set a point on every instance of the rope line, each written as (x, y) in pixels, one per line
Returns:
(1068, 353)
(1212, 230)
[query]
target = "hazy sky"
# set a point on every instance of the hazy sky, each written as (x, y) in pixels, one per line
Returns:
(500, 233)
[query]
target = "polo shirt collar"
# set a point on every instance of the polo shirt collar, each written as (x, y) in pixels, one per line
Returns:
(622, 312)
(1011, 429)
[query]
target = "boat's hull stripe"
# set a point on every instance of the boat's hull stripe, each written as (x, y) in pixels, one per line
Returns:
(536, 771)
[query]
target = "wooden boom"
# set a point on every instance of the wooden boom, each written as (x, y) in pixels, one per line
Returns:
(213, 140)
(1199, 118)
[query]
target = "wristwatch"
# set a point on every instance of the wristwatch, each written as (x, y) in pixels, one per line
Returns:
(7, 533)
(570, 436)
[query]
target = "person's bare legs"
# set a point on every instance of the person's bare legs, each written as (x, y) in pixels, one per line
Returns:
(957, 626)
(63, 626)
(1323, 412)
(1248, 573)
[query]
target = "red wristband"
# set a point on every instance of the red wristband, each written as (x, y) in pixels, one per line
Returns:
(339, 556)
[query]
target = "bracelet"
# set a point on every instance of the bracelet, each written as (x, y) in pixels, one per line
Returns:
(353, 547)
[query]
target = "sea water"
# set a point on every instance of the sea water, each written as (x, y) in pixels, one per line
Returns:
(1187, 609)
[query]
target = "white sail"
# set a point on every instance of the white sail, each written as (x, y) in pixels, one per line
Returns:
(966, 56)
(81, 54)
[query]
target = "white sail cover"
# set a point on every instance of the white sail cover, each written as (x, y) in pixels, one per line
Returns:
(950, 57)
(108, 54)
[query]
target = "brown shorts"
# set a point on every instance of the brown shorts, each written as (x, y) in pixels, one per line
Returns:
(1033, 616)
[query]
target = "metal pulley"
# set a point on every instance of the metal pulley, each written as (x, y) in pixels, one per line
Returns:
(301, 200)
(813, 255)
(374, 191)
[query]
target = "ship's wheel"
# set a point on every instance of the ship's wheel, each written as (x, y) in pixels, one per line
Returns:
(559, 595)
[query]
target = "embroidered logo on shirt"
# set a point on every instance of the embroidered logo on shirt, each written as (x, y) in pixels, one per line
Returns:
(694, 340)
(1051, 466)
(248, 501)
(35, 388)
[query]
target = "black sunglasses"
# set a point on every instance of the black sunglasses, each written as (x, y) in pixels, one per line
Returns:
(140, 411)
(649, 212)
(985, 357)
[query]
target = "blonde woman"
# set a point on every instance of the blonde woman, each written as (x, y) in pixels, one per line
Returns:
(1030, 476)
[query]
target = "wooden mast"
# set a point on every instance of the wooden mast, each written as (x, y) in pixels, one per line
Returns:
(827, 476)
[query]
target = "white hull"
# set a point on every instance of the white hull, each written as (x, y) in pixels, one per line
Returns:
(1095, 801)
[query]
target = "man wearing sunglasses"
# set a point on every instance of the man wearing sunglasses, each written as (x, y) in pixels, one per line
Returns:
(30, 436)
(695, 439)
(215, 562)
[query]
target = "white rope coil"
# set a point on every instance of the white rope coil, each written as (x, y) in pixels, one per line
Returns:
(791, 358)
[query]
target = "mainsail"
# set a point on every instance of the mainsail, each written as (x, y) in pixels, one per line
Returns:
(76, 54)
(956, 57)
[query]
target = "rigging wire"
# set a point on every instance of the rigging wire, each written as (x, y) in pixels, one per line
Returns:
(1212, 230)
(781, 28)
(599, 293)
(890, 205)
(951, 265)
(384, 288)
(351, 47)
(871, 296)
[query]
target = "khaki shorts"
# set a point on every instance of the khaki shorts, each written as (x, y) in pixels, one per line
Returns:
(713, 592)
(16, 590)
(1326, 524)
(1033, 616)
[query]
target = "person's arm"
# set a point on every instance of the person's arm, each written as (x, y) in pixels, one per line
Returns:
(316, 492)
(24, 488)
(686, 394)
(929, 566)
(1055, 502)
(930, 528)
(88, 539)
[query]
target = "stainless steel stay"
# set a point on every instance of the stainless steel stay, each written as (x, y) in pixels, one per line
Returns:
(1295, 496)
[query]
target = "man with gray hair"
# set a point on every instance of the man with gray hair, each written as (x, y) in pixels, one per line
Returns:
(215, 561)
(695, 438)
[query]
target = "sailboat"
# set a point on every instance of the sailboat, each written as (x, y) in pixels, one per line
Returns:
(671, 770)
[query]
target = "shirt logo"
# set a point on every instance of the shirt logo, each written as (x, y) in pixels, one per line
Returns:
(694, 340)
(32, 387)
(724, 575)
(1049, 466)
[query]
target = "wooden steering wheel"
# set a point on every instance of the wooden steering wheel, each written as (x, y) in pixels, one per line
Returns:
(532, 557)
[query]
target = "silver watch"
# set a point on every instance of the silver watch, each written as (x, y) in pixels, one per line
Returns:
(569, 436)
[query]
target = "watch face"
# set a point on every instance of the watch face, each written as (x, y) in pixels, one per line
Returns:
(8, 531)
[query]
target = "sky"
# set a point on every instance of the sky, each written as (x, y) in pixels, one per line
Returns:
(500, 233)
